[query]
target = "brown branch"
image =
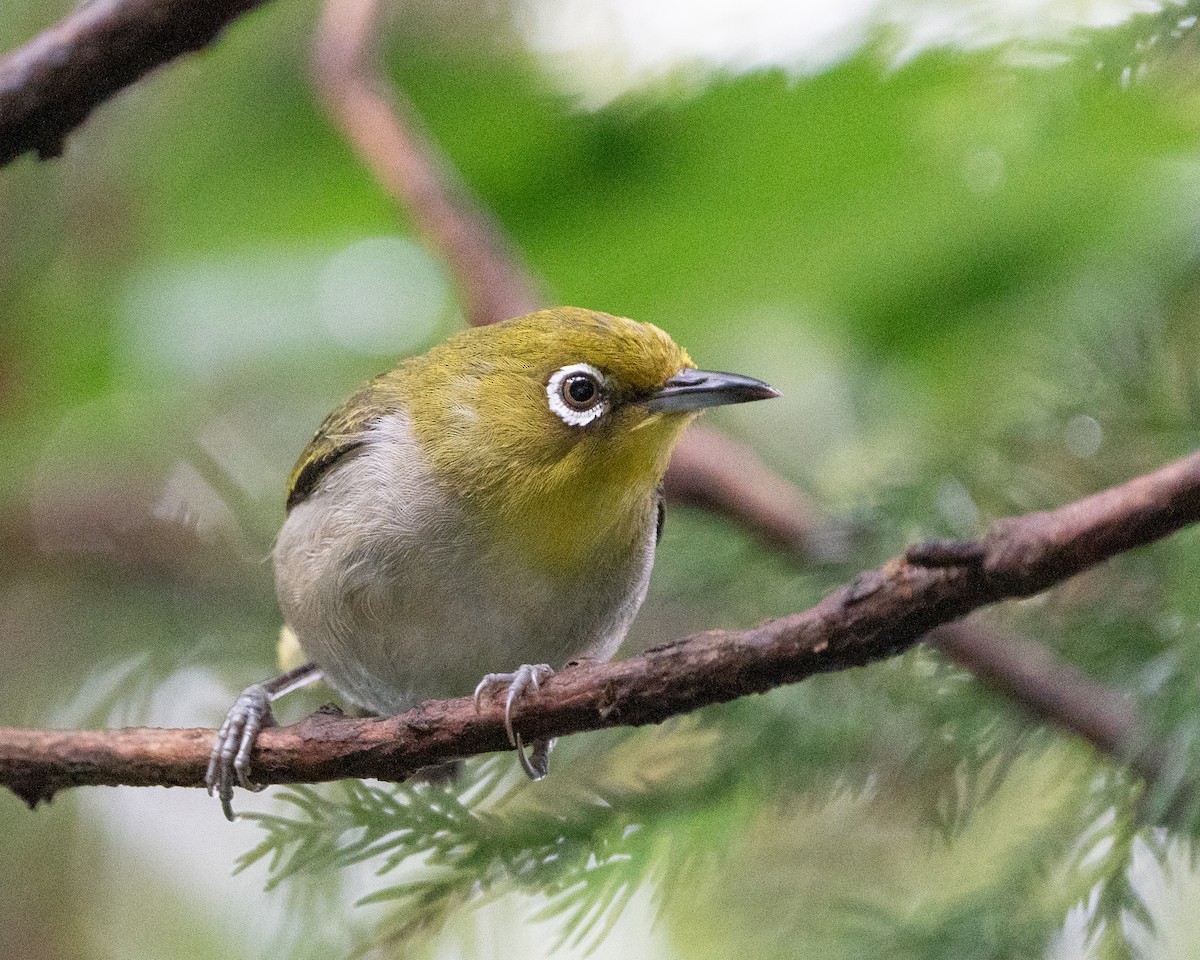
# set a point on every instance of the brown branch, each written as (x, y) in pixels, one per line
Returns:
(714, 473)
(49, 86)
(879, 614)
(492, 282)
(1032, 677)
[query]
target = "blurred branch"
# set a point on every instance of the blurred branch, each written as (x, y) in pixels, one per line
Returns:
(49, 86)
(714, 473)
(1028, 674)
(879, 614)
(118, 526)
(492, 282)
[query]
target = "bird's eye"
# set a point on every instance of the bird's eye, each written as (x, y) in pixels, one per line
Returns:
(580, 391)
(578, 394)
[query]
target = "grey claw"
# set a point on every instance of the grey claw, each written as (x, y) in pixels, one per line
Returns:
(537, 764)
(514, 682)
(229, 761)
(483, 684)
(520, 681)
(515, 689)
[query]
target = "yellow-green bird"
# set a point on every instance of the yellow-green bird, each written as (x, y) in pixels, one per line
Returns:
(488, 509)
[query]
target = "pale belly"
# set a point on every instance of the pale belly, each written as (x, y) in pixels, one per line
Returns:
(399, 599)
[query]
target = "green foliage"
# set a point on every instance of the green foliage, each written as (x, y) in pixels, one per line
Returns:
(683, 807)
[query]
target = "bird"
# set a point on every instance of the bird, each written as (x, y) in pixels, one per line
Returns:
(477, 517)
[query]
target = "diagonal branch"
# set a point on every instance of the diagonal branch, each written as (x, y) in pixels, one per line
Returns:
(879, 614)
(49, 86)
(1032, 677)
(712, 472)
(493, 283)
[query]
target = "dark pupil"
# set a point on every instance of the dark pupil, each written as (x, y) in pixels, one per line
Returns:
(581, 390)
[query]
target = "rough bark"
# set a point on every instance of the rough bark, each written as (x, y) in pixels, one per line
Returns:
(49, 86)
(880, 613)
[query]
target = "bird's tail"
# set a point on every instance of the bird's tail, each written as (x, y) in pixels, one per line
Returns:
(288, 649)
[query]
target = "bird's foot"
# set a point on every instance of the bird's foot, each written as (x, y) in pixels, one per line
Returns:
(519, 683)
(230, 758)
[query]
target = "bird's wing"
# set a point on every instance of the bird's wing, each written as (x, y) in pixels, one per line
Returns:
(662, 516)
(343, 432)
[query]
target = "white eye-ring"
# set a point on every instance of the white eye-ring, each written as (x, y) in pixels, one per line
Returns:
(577, 394)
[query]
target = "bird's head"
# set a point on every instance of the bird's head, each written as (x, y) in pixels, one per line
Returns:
(561, 419)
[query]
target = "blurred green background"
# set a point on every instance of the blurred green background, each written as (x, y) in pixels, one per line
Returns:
(963, 240)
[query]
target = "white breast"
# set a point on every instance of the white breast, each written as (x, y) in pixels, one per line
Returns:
(399, 596)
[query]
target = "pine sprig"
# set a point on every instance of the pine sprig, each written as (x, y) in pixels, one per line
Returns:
(626, 813)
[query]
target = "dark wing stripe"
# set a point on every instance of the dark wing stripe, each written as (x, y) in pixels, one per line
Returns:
(343, 432)
(311, 473)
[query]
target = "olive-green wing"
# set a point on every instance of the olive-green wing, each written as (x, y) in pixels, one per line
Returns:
(343, 432)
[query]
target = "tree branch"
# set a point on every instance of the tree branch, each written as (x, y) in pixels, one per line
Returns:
(493, 284)
(879, 614)
(711, 472)
(49, 86)
(1033, 678)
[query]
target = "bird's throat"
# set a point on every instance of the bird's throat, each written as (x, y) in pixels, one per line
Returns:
(574, 537)
(585, 513)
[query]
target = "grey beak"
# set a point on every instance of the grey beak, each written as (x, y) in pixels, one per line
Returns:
(697, 389)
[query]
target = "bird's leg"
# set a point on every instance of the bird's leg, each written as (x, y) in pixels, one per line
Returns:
(525, 678)
(250, 713)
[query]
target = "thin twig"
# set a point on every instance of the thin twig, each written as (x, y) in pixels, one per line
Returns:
(879, 614)
(49, 86)
(1030, 676)
(493, 283)
(711, 472)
